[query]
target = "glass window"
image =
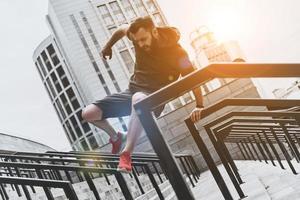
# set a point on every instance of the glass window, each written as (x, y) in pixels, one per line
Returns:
(127, 60)
(52, 54)
(93, 142)
(73, 98)
(151, 6)
(187, 98)
(128, 9)
(140, 7)
(85, 125)
(70, 131)
(117, 12)
(214, 84)
(107, 18)
(61, 110)
(41, 65)
(55, 59)
(84, 145)
(65, 103)
(51, 87)
(177, 103)
(63, 77)
(56, 82)
(46, 60)
(76, 126)
(158, 20)
(50, 49)
(120, 44)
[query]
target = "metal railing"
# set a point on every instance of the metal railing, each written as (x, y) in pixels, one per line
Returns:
(50, 166)
(65, 185)
(145, 107)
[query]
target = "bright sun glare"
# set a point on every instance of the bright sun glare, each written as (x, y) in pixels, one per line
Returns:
(224, 22)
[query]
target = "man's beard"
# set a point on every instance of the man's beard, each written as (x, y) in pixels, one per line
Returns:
(153, 46)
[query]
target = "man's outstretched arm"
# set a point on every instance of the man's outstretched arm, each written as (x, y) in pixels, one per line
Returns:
(186, 68)
(116, 36)
(196, 113)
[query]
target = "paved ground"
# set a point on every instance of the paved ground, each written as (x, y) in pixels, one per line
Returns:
(262, 182)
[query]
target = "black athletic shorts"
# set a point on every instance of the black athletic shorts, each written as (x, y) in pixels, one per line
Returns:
(119, 105)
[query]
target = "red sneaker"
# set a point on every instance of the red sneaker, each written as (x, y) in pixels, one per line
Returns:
(125, 163)
(117, 145)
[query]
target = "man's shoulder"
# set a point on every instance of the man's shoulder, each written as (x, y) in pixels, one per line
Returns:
(170, 33)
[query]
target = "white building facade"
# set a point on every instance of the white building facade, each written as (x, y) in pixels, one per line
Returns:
(208, 50)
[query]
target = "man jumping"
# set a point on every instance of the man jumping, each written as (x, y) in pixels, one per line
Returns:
(160, 60)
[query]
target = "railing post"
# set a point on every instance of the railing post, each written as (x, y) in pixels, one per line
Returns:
(209, 160)
(260, 149)
(255, 151)
(294, 148)
(273, 149)
(251, 153)
(284, 151)
(266, 149)
(243, 154)
(163, 151)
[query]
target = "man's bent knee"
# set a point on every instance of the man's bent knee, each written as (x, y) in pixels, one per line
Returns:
(138, 96)
(91, 113)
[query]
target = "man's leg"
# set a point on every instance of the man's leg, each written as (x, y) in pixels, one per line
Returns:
(134, 131)
(135, 127)
(93, 114)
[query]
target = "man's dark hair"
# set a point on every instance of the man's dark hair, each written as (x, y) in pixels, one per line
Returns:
(141, 22)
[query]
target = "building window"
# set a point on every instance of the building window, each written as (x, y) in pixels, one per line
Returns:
(128, 9)
(76, 126)
(120, 44)
(84, 124)
(73, 98)
(117, 12)
(71, 131)
(158, 20)
(106, 16)
(93, 142)
(56, 82)
(213, 84)
(60, 109)
(41, 66)
(84, 145)
(53, 55)
(127, 60)
(176, 103)
(187, 98)
(151, 6)
(140, 7)
(51, 87)
(63, 77)
(46, 60)
(65, 103)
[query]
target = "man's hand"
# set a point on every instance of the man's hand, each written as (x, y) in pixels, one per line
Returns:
(196, 114)
(106, 52)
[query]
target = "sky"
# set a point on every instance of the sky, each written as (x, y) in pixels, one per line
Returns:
(267, 31)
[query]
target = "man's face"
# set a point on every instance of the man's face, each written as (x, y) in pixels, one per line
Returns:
(143, 38)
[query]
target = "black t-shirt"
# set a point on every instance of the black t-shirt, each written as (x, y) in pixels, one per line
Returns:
(156, 69)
